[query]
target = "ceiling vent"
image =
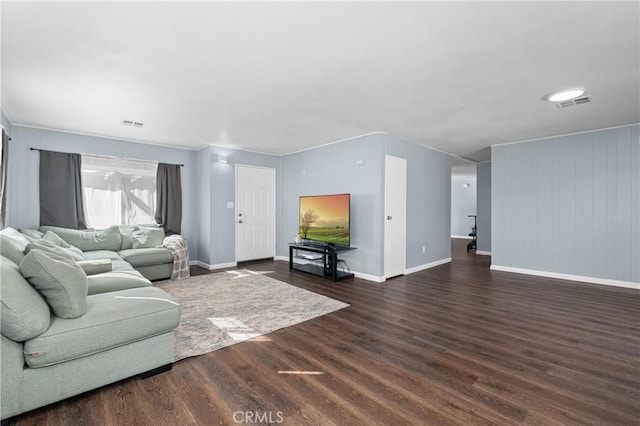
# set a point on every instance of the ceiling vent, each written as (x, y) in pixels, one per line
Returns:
(130, 123)
(572, 102)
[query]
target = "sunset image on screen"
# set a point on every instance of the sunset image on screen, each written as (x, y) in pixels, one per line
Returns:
(325, 218)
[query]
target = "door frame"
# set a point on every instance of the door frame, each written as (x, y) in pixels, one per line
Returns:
(235, 210)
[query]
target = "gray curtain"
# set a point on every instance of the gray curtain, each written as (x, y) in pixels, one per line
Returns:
(169, 198)
(61, 196)
(4, 164)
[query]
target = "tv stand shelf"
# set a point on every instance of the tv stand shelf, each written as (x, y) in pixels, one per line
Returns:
(326, 265)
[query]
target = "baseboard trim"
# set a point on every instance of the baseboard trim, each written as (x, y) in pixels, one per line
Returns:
(483, 253)
(369, 277)
(213, 267)
(427, 266)
(569, 277)
(462, 237)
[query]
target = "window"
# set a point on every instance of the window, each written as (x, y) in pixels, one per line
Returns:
(117, 191)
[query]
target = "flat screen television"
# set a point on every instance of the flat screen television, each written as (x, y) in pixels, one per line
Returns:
(325, 218)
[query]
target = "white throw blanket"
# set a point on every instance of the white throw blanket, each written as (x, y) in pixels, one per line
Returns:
(178, 248)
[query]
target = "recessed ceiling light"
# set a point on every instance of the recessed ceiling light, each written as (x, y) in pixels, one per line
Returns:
(565, 95)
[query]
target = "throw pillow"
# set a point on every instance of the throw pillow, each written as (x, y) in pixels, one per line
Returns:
(63, 283)
(146, 237)
(48, 247)
(57, 240)
(23, 312)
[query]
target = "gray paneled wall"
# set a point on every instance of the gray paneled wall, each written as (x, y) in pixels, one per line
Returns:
(483, 174)
(463, 203)
(569, 205)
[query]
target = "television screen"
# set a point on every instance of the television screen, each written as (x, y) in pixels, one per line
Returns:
(325, 218)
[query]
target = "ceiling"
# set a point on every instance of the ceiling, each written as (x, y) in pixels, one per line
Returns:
(283, 77)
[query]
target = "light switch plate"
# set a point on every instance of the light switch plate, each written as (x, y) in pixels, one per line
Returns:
(229, 204)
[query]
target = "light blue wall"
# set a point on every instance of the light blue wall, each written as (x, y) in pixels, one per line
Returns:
(428, 201)
(332, 169)
(23, 193)
(208, 185)
(463, 203)
(569, 205)
(223, 186)
(483, 175)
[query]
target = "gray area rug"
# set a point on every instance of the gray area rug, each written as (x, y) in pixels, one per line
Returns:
(225, 308)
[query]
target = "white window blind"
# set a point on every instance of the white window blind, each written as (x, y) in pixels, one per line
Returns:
(118, 191)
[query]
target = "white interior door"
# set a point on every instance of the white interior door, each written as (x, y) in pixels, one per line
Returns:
(395, 207)
(255, 212)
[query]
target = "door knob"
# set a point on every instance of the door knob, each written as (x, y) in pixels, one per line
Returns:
(240, 221)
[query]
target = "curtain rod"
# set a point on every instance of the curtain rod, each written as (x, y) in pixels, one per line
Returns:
(38, 149)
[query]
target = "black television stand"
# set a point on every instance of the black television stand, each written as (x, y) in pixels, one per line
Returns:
(327, 260)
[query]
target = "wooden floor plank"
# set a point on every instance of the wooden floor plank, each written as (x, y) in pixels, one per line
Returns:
(455, 344)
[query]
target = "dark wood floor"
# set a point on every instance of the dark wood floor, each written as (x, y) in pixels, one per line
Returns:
(456, 344)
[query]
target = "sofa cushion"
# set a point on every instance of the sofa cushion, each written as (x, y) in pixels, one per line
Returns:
(125, 234)
(49, 247)
(121, 265)
(101, 254)
(98, 266)
(10, 249)
(147, 256)
(57, 240)
(24, 314)
(147, 237)
(89, 239)
(19, 239)
(116, 280)
(62, 282)
(31, 233)
(112, 320)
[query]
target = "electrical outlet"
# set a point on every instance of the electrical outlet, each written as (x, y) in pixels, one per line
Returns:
(424, 249)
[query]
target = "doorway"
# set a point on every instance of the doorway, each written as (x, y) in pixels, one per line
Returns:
(395, 207)
(255, 212)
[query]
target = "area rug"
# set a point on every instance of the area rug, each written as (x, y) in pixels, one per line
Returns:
(225, 308)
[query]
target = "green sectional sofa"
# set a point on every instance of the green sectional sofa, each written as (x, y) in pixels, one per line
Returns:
(73, 320)
(139, 246)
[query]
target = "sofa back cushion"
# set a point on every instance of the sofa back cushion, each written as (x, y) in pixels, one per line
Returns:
(24, 314)
(147, 237)
(19, 239)
(62, 282)
(89, 239)
(34, 234)
(10, 249)
(125, 233)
